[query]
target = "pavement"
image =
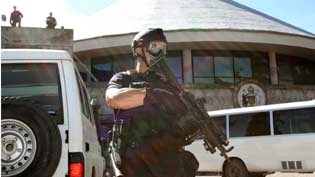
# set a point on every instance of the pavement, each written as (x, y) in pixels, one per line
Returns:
(278, 174)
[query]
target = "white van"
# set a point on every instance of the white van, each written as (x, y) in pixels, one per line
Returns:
(278, 137)
(47, 123)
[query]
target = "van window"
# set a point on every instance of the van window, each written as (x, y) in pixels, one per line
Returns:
(254, 124)
(221, 123)
(37, 82)
(84, 99)
(294, 121)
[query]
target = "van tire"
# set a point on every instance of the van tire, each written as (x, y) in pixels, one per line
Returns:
(30, 138)
(235, 168)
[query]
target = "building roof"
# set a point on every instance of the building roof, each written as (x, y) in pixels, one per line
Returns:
(126, 16)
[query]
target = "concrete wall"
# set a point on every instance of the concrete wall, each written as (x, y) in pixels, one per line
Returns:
(227, 96)
(37, 38)
(220, 97)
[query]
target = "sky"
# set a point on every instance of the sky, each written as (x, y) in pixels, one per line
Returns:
(300, 13)
(75, 13)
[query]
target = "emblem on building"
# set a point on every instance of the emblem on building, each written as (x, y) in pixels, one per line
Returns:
(250, 94)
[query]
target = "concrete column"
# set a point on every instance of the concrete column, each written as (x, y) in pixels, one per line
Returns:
(187, 66)
(273, 68)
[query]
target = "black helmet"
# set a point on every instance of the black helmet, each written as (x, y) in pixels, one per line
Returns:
(150, 39)
(143, 38)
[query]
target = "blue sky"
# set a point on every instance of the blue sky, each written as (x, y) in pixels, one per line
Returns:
(300, 13)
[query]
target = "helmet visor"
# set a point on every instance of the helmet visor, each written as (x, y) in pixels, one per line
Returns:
(155, 47)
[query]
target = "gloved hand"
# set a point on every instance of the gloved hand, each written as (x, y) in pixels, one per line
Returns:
(165, 100)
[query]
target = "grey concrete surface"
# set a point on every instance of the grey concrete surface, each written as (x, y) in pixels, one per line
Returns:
(278, 174)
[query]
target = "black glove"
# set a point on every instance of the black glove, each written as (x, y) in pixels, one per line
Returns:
(165, 100)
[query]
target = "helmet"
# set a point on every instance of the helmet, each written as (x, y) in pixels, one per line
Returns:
(144, 39)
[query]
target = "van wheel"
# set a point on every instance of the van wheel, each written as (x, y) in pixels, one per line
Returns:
(31, 142)
(234, 168)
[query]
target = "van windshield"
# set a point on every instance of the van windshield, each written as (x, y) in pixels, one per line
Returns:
(37, 81)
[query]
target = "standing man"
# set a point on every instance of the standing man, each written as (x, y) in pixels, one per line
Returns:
(151, 145)
(51, 21)
(15, 17)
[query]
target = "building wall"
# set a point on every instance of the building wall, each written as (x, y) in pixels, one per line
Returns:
(37, 38)
(265, 75)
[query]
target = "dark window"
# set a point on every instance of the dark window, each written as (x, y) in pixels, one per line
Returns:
(255, 124)
(84, 99)
(221, 67)
(83, 76)
(223, 70)
(294, 121)
(242, 67)
(294, 70)
(103, 68)
(175, 62)
(203, 69)
(221, 123)
(260, 67)
(39, 82)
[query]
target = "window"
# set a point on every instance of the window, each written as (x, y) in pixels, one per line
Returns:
(84, 99)
(223, 70)
(242, 68)
(294, 121)
(203, 69)
(221, 123)
(38, 82)
(221, 67)
(255, 124)
(175, 62)
(83, 76)
(104, 67)
(294, 70)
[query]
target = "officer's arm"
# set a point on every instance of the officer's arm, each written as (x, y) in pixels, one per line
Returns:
(125, 98)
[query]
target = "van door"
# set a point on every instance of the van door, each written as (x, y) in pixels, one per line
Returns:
(39, 83)
(94, 162)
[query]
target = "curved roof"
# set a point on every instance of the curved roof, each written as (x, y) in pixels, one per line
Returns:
(127, 16)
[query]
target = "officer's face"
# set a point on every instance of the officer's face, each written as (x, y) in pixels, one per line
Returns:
(155, 49)
(146, 54)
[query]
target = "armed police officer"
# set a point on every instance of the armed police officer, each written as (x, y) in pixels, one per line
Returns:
(16, 17)
(51, 21)
(151, 145)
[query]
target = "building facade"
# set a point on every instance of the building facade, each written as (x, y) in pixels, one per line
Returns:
(229, 54)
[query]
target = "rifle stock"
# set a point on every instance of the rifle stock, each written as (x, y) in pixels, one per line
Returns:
(115, 162)
(114, 147)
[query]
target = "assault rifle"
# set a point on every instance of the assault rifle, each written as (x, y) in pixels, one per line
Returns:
(196, 122)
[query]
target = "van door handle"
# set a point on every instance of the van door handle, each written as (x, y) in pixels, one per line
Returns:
(87, 147)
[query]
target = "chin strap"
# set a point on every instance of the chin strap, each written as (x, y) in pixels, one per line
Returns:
(143, 57)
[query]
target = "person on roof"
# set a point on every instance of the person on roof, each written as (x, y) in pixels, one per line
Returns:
(51, 21)
(16, 17)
